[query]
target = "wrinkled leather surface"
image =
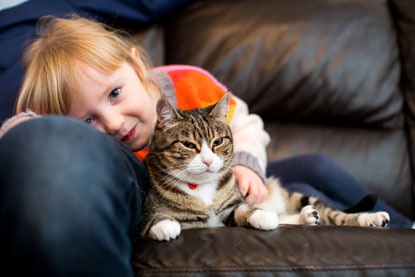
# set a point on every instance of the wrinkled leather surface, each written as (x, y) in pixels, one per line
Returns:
(403, 13)
(322, 251)
(329, 61)
(151, 40)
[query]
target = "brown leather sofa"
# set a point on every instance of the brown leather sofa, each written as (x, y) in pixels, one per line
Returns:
(335, 77)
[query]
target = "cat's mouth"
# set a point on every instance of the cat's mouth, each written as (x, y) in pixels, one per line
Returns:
(199, 170)
(202, 172)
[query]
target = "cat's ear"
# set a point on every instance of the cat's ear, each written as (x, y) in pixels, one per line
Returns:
(166, 112)
(220, 110)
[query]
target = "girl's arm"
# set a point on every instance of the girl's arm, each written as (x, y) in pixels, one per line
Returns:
(250, 138)
(250, 160)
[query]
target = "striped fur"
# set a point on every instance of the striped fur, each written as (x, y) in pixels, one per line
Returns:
(296, 208)
(195, 147)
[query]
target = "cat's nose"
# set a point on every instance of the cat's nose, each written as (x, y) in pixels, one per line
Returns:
(207, 162)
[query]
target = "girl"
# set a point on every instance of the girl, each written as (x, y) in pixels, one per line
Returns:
(77, 206)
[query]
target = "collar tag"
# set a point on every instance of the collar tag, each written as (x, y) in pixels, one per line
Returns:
(192, 186)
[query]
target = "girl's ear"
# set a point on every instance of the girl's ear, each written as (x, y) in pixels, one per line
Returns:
(134, 52)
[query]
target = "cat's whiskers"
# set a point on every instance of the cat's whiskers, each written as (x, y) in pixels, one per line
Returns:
(168, 179)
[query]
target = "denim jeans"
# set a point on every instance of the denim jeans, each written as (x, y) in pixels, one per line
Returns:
(70, 200)
(317, 175)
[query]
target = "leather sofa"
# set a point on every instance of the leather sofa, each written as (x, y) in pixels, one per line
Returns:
(334, 77)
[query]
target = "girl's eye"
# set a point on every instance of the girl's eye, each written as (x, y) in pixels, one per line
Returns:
(189, 144)
(115, 93)
(218, 142)
(89, 120)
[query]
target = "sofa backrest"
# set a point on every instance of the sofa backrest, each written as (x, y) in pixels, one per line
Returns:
(325, 76)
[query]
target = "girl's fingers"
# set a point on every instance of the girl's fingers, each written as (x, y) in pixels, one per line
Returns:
(243, 187)
(253, 194)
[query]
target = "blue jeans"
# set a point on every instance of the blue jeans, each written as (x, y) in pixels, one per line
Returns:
(70, 200)
(317, 175)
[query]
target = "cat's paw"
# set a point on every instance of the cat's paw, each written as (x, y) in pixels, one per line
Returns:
(309, 215)
(165, 230)
(263, 220)
(378, 219)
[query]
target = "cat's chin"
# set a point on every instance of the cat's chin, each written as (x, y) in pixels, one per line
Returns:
(200, 178)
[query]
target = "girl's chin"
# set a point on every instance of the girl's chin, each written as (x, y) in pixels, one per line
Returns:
(138, 142)
(135, 145)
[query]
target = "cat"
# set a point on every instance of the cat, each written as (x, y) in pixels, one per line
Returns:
(192, 184)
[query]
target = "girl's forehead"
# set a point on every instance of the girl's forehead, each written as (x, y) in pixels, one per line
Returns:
(93, 73)
(88, 76)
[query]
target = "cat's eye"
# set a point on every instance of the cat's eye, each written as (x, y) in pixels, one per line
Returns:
(188, 144)
(217, 142)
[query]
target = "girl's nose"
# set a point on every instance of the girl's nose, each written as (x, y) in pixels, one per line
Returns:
(112, 123)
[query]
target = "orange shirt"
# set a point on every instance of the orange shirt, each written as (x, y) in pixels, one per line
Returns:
(193, 88)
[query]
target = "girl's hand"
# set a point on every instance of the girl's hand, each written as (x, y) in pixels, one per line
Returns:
(250, 184)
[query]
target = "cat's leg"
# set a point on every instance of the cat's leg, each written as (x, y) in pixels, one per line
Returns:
(297, 203)
(246, 215)
(162, 227)
(289, 219)
(287, 205)
(308, 215)
(378, 219)
(335, 217)
(329, 216)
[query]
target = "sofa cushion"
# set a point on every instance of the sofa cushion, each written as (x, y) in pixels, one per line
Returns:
(289, 250)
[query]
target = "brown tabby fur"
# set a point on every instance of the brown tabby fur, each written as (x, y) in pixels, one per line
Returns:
(166, 200)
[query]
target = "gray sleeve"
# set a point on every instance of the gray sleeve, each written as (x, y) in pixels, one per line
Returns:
(250, 161)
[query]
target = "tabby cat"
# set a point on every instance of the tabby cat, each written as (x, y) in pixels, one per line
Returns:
(192, 184)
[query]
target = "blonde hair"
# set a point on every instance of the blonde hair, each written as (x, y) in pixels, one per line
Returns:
(51, 61)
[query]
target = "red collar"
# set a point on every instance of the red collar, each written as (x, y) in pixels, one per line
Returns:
(192, 186)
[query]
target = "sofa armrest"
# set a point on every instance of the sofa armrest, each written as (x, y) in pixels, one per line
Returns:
(289, 249)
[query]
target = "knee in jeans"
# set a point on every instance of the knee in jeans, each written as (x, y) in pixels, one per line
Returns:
(66, 167)
(319, 163)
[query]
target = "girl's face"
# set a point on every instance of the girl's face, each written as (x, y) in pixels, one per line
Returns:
(116, 104)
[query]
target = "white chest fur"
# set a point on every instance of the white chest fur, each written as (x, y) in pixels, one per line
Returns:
(205, 192)
(214, 221)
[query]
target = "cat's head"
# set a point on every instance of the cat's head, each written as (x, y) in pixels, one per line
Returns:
(193, 145)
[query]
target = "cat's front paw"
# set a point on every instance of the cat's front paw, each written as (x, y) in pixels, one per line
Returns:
(263, 220)
(165, 230)
(378, 219)
(309, 215)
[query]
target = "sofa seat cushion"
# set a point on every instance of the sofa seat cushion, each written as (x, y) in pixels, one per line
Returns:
(289, 249)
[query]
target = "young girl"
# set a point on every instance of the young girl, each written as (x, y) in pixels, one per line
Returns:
(71, 196)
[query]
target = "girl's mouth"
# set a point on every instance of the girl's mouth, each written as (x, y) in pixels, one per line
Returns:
(129, 135)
